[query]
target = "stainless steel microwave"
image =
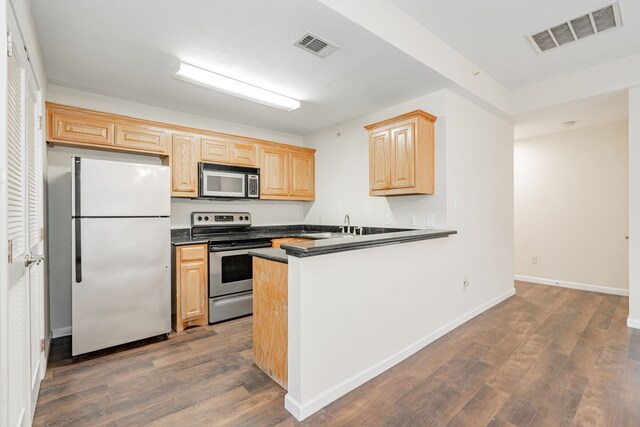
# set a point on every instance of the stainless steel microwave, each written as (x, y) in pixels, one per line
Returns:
(226, 181)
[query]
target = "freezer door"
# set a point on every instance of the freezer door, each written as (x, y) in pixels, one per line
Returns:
(121, 281)
(109, 188)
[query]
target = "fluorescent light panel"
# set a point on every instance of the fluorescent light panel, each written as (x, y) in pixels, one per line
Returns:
(209, 79)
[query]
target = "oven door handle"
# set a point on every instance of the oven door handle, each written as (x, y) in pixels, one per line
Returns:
(239, 249)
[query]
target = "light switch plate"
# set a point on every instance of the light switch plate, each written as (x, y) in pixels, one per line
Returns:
(431, 221)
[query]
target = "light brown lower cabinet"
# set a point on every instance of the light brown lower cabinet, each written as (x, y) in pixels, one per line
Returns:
(189, 304)
(270, 314)
(276, 243)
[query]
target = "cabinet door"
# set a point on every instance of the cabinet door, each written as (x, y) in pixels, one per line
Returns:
(184, 165)
(141, 137)
(72, 126)
(302, 180)
(379, 160)
(403, 157)
(216, 151)
(243, 154)
(274, 172)
(193, 282)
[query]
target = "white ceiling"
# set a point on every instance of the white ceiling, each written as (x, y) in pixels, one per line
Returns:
(131, 49)
(491, 34)
(593, 111)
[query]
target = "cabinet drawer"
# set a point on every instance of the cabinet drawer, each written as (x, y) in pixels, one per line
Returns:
(140, 137)
(67, 126)
(193, 252)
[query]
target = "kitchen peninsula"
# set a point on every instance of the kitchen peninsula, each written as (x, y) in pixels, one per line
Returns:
(334, 292)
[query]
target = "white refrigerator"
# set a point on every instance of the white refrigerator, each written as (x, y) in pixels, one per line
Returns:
(121, 277)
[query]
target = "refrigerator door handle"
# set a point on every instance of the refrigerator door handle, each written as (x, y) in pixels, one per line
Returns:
(76, 178)
(78, 251)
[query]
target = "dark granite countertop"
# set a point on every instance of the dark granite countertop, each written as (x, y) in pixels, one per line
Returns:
(182, 236)
(273, 254)
(342, 244)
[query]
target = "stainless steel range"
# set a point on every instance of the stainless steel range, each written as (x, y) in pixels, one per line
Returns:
(230, 267)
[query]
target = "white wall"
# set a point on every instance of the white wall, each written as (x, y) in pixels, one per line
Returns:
(571, 208)
(59, 185)
(634, 208)
(389, 302)
(342, 171)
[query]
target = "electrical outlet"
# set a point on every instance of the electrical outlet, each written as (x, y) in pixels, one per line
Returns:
(412, 220)
(465, 283)
(320, 219)
(387, 220)
(534, 259)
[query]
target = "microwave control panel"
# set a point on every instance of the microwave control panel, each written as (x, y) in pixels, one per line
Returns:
(222, 219)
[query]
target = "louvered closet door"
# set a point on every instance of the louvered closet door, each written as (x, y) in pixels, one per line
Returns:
(24, 213)
(18, 340)
(36, 245)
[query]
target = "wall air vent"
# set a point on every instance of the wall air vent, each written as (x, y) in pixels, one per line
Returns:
(315, 45)
(577, 28)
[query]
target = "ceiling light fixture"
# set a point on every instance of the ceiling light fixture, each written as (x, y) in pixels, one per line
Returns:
(209, 79)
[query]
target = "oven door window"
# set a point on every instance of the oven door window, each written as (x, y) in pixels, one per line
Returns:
(224, 184)
(236, 268)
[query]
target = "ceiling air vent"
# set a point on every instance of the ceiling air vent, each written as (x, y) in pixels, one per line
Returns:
(577, 28)
(315, 45)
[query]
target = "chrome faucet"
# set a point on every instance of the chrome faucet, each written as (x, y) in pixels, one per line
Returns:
(347, 220)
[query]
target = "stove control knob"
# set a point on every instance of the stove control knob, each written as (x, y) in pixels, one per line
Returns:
(199, 218)
(206, 218)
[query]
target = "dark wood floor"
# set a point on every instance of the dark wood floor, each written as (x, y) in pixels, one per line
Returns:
(547, 356)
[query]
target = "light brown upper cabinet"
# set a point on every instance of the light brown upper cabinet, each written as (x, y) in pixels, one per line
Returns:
(184, 165)
(70, 126)
(243, 154)
(228, 150)
(287, 173)
(401, 155)
(302, 182)
(79, 127)
(274, 172)
(141, 137)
